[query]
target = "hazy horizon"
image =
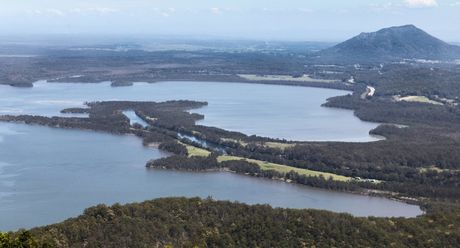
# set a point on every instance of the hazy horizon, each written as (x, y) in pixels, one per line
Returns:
(294, 20)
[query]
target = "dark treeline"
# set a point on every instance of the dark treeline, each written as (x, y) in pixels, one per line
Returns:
(397, 177)
(108, 117)
(409, 79)
(210, 163)
(388, 111)
(112, 124)
(185, 163)
(180, 222)
(421, 157)
(59, 65)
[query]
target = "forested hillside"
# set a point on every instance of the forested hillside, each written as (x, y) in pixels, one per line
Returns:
(180, 222)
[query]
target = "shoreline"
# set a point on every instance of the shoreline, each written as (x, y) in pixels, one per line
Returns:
(385, 195)
(365, 192)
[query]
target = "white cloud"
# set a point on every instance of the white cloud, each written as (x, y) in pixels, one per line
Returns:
(216, 11)
(220, 11)
(382, 6)
(164, 12)
(46, 12)
(77, 11)
(55, 12)
(421, 3)
(389, 8)
(103, 10)
(100, 11)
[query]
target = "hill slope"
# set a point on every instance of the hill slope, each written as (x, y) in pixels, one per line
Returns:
(181, 222)
(392, 44)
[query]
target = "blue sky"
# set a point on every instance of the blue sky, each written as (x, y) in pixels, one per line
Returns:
(313, 20)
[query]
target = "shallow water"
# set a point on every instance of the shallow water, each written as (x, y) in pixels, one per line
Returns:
(48, 175)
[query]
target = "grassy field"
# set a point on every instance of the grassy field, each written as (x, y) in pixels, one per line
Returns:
(304, 78)
(281, 146)
(437, 169)
(199, 152)
(195, 151)
(278, 145)
(422, 99)
(285, 169)
(235, 141)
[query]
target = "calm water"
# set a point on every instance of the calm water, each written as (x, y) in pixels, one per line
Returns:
(48, 175)
(293, 113)
(134, 119)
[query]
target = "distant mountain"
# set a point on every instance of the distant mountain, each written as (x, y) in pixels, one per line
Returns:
(390, 44)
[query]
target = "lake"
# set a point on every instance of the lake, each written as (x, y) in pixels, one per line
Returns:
(277, 111)
(48, 175)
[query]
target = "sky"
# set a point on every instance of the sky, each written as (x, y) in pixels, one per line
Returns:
(297, 20)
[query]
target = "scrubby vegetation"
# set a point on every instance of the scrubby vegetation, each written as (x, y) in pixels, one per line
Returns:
(267, 166)
(180, 222)
(249, 167)
(22, 239)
